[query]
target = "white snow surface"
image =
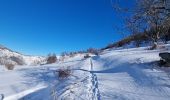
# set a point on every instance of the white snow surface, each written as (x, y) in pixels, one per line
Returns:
(122, 74)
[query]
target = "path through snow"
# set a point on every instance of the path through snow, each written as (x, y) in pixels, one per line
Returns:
(114, 75)
(94, 80)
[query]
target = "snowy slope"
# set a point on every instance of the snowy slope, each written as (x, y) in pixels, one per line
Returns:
(124, 74)
(9, 56)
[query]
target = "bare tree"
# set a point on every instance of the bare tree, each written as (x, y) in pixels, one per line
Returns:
(147, 17)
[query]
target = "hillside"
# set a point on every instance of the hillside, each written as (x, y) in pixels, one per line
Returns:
(116, 74)
(8, 56)
(137, 40)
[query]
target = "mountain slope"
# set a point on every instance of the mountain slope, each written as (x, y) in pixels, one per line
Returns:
(12, 57)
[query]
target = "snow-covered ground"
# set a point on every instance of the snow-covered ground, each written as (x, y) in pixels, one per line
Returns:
(122, 74)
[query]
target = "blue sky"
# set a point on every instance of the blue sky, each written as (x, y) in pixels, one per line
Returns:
(39, 27)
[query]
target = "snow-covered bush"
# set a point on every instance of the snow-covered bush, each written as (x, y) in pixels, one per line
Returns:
(9, 66)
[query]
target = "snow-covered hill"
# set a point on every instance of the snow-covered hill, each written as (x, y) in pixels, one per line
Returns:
(12, 57)
(116, 74)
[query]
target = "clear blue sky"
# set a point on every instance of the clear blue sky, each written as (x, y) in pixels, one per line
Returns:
(39, 27)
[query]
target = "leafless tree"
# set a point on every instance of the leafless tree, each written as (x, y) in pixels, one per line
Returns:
(149, 17)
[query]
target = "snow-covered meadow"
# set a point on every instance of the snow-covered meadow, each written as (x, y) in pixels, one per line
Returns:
(116, 74)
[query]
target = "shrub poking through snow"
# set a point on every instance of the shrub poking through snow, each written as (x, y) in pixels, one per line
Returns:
(87, 56)
(51, 59)
(64, 73)
(9, 66)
